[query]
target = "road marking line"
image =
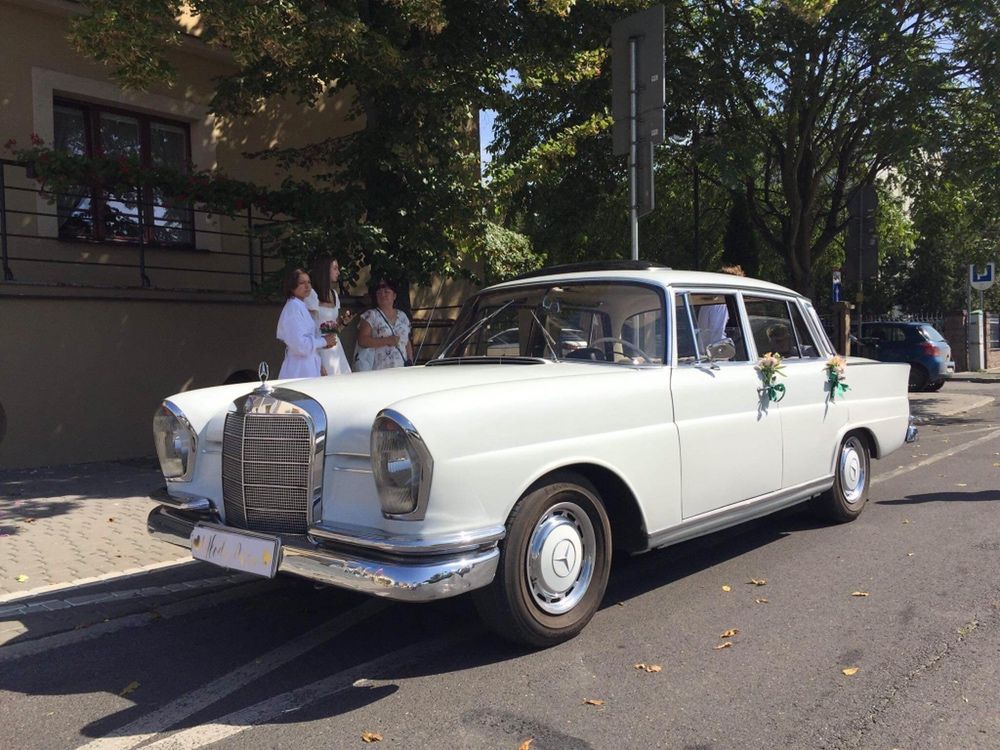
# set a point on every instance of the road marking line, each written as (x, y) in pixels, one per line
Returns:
(934, 459)
(146, 727)
(24, 649)
(103, 578)
(293, 700)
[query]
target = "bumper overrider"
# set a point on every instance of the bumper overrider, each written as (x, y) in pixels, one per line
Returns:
(410, 570)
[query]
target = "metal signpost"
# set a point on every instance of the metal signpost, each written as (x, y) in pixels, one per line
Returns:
(638, 98)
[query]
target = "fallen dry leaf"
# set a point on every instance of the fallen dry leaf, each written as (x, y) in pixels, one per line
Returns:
(906, 520)
(371, 737)
(850, 671)
(727, 644)
(526, 745)
(757, 582)
(130, 688)
(996, 463)
(729, 633)
(761, 600)
(727, 588)
(29, 520)
(593, 702)
(649, 667)
(859, 593)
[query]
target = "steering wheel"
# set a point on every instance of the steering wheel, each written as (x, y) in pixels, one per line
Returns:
(619, 340)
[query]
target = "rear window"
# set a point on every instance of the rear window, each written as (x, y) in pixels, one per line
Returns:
(931, 333)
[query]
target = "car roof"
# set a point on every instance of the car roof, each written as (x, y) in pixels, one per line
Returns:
(642, 271)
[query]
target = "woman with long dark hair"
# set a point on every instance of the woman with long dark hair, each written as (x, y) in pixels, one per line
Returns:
(326, 310)
(297, 329)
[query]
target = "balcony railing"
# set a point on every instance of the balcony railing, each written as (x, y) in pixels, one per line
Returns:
(224, 252)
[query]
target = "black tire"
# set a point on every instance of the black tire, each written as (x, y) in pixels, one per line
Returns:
(918, 377)
(851, 481)
(931, 387)
(554, 565)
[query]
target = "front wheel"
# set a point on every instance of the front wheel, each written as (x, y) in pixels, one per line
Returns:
(852, 478)
(554, 565)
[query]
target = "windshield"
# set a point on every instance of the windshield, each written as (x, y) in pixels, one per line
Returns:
(615, 322)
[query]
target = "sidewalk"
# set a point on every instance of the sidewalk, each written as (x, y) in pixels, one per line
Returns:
(979, 376)
(65, 526)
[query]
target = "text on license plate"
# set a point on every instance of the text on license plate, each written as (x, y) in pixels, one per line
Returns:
(231, 549)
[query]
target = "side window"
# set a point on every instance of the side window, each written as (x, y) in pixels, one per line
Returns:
(715, 317)
(771, 323)
(806, 344)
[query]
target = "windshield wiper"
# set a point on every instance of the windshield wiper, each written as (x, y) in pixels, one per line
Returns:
(476, 327)
(549, 341)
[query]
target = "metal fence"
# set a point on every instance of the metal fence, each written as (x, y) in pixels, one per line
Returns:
(224, 268)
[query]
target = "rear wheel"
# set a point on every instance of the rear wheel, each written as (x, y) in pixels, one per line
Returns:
(918, 378)
(852, 478)
(554, 565)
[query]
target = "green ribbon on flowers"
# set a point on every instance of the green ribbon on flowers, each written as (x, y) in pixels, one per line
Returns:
(775, 392)
(837, 386)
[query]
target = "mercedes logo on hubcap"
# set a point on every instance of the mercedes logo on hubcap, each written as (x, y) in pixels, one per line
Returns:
(563, 558)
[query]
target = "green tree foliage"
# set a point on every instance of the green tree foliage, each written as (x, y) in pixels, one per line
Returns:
(417, 71)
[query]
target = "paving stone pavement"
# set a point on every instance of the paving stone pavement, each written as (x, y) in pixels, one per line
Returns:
(62, 524)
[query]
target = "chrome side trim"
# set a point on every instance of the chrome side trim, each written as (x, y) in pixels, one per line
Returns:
(398, 544)
(421, 580)
(737, 513)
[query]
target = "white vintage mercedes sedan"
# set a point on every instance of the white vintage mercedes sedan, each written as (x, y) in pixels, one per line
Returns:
(571, 412)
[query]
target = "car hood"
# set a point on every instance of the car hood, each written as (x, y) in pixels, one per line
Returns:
(351, 402)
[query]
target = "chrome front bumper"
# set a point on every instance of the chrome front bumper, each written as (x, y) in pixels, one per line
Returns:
(416, 578)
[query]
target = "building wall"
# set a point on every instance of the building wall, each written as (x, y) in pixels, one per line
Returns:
(80, 377)
(86, 351)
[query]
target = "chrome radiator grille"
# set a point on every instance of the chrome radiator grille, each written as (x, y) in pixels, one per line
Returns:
(266, 471)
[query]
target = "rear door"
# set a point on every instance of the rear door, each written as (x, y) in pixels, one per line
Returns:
(810, 419)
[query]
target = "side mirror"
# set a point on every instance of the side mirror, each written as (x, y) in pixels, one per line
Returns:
(723, 349)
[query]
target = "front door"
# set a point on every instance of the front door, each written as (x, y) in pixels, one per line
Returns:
(730, 440)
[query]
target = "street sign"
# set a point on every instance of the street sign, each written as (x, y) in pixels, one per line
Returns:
(646, 29)
(982, 281)
(861, 246)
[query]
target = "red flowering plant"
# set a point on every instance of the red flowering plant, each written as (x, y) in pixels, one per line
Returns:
(61, 172)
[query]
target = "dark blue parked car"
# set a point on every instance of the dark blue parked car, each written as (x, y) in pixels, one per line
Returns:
(920, 344)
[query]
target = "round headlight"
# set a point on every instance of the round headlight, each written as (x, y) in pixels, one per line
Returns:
(401, 465)
(175, 442)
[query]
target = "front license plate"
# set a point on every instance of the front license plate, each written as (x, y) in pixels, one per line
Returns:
(250, 553)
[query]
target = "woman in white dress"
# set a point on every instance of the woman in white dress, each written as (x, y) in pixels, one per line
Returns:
(386, 330)
(325, 278)
(297, 329)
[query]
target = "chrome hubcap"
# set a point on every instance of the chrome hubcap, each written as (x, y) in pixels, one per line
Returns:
(560, 560)
(853, 472)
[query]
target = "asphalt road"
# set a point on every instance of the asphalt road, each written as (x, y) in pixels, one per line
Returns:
(235, 663)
